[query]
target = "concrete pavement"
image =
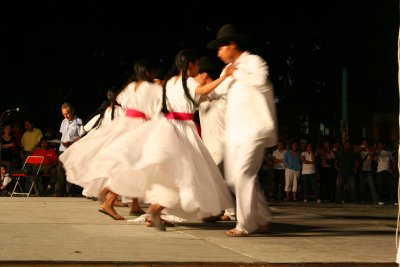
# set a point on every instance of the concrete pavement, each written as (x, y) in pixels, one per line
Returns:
(46, 231)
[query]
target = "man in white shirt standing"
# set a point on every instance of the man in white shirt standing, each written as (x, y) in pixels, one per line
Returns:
(250, 126)
(71, 130)
(384, 172)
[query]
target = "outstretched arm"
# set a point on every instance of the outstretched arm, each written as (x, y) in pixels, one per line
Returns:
(207, 88)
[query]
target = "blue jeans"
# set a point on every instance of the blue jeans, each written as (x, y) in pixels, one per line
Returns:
(345, 177)
(310, 182)
(367, 178)
(383, 182)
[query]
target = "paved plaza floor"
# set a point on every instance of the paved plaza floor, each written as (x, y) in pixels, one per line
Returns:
(46, 231)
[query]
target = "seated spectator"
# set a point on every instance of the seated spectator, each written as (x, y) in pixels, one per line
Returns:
(6, 182)
(30, 139)
(49, 167)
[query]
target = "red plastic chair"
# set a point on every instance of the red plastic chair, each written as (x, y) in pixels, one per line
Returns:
(31, 163)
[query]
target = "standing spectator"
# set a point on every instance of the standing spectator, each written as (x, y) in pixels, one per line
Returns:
(365, 176)
(292, 163)
(8, 145)
(395, 181)
(327, 172)
(71, 130)
(302, 147)
(384, 172)
(337, 147)
(279, 172)
(250, 126)
(309, 173)
(30, 139)
(265, 174)
(345, 164)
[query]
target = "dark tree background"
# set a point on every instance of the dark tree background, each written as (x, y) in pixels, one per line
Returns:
(56, 51)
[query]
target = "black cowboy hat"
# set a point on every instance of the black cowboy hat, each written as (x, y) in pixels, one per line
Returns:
(226, 34)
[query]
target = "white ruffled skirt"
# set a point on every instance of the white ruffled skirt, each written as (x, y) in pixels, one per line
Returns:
(166, 162)
(77, 159)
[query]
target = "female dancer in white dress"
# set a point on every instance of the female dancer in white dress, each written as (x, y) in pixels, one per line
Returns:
(165, 161)
(212, 121)
(142, 101)
(105, 114)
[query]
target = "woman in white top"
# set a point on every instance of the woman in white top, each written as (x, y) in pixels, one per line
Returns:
(309, 173)
(212, 114)
(105, 114)
(279, 172)
(141, 100)
(212, 121)
(165, 162)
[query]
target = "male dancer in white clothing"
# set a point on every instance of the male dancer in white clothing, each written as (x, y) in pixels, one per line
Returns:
(250, 126)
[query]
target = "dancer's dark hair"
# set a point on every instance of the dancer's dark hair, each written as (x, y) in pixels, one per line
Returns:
(112, 93)
(142, 70)
(182, 63)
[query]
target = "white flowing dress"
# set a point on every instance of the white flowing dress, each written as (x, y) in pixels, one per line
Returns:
(165, 161)
(79, 158)
(212, 120)
(93, 188)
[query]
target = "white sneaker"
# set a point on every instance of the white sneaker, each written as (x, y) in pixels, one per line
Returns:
(305, 201)
(319, 201)
(381, 203)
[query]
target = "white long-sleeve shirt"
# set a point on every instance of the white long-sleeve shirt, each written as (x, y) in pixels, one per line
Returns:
(250, 111)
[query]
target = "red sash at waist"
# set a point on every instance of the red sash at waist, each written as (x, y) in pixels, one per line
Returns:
(134, 113)
(180, 116)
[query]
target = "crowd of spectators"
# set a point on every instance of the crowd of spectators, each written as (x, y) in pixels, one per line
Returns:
(364, 173)
(332, 172)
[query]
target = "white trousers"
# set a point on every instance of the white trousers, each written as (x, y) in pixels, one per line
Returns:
(291, 178)
(241, 167)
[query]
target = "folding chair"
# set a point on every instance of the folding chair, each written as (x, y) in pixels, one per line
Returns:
(31, 169)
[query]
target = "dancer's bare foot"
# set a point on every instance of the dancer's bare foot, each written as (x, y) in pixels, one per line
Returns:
(236, 233)
(216, 218)
(103, 194)
(136, 210)
(225, 218)
(155, 216)
(118, 203)
(108, 206)
(110, 212)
